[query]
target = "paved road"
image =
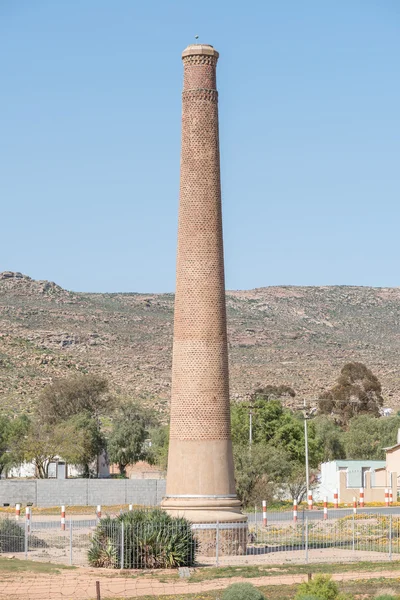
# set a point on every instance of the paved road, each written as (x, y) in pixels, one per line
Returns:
(83, 521)
(318, 514)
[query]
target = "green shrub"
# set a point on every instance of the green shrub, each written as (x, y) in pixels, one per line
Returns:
(12, 537)
(149, 540)
(386, 597)
(242, 591)
(321, 587)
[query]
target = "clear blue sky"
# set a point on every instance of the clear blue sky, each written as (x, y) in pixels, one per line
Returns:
(90, 108)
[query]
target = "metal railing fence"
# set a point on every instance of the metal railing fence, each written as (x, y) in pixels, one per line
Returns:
(111, 543)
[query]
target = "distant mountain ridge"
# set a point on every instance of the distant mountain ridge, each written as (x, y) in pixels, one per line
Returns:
(299, 336)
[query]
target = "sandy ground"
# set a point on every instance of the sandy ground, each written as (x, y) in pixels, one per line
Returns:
(81, 585)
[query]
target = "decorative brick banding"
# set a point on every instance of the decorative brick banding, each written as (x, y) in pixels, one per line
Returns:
(200, 390)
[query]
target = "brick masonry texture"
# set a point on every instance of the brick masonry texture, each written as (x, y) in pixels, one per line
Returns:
(82, 492)
(200, 389)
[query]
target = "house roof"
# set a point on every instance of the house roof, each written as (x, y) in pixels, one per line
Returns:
(391, 448)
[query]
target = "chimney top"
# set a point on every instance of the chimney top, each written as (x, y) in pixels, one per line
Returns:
(195, 49)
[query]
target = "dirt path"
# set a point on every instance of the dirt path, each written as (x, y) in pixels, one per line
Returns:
(82, 585)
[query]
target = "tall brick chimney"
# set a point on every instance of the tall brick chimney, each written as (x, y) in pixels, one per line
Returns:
(200, 479)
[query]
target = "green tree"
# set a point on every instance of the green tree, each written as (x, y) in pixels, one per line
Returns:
(158, 451)
(74, 395)
(273, 392)
(92, 441)
(367, 436)
(126, 442)
(276, 461)
(358, 391)
(258, 471)
(329, 439)
(44, 443)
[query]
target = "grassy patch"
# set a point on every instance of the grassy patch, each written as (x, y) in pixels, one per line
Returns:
(209, 573)
(364, 589)
(14, 565)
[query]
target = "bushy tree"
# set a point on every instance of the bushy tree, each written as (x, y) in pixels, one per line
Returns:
(273, 392)
(258, 471)
(366, 436)
(329, 439)
(126, 442)
(91, 441)
(158, 451)
(12, 432)
(276, 461)
(67, 397)
(44, 443)
(358, 391)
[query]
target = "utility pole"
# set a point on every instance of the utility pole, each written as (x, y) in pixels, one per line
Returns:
(306, 445)
(251, 426)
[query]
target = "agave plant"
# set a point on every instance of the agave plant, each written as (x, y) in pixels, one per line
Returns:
(149, 539)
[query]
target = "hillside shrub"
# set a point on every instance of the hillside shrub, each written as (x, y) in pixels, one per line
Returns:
(386, 597)
(242, 591)
(149, 540)
(12, 537)
(320, 588)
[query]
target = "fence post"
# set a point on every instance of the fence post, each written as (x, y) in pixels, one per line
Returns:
(70, 541)
(26, 539)
(62, 518)
(354, 533)
(217, 544)
(306, 540)
(255, 522)
(336, 498)
(390, 537)
(98, 597)
(28, 518)
(122, 545)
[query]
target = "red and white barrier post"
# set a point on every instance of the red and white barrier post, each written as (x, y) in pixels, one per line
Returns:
(294, 511)
(264, 507)
(310, 501)
(354, 505)
(390, 496)
(325, 508)
(336, 498)
(28, 518)
(98, 511)
(17, 511)
(63, 518)
(361, 497)
(386, 497)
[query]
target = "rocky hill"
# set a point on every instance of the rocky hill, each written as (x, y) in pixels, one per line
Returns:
(300, 336)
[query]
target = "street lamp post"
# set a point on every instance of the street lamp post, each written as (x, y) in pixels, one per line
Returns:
(306, 445)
